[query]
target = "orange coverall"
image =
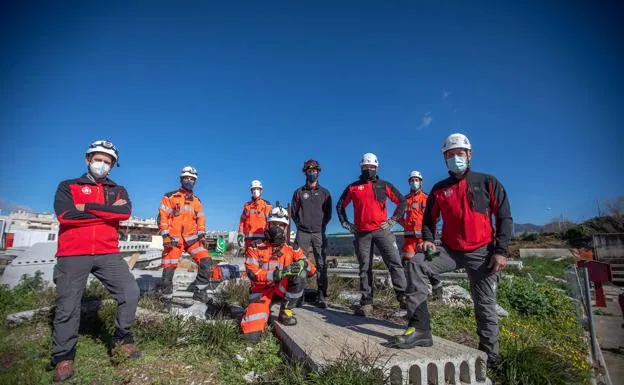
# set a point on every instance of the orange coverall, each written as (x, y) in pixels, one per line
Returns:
(412, 223)
(253, 220)
(261, 262)
(181, 216)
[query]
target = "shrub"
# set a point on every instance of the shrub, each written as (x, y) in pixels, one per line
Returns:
(530, 299)
(30, 293)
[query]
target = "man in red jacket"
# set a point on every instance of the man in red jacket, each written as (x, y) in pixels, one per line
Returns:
(371, 227)
(89, 209)
(466, 201)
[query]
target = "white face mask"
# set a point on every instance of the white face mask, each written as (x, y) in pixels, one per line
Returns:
(255, 193)
(99, 169)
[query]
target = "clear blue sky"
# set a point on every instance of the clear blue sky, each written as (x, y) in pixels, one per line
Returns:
(246, 90)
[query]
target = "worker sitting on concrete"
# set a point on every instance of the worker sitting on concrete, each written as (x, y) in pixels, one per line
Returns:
(253, 220)
(466, 200)
(182, 224)
(274, 269)
(412, 225)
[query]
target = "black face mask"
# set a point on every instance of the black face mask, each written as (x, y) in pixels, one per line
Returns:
(369, 174)
(275, 236)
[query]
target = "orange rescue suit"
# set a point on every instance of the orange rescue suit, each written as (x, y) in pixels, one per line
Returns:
(261, 263)
(181, 216)
(412, 222)
(253, 220)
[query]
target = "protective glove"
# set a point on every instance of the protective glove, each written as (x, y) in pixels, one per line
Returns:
(201, 236)
(168, 241)
(240, 239)
(350, 227)
(294, 269)
(387, 224)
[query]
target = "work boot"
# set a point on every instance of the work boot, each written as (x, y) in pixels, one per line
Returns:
(131, 350)
(200, 284)
(437, 291)
(286, 316)
(166, 282)
(413, 337)
(63, 370)
(492, 362)
(364, 310)
(320, 300)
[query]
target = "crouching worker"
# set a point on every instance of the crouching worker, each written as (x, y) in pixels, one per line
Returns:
(276, 271)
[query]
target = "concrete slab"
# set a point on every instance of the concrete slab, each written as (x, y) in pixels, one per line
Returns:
(545, 253)
(321, 335)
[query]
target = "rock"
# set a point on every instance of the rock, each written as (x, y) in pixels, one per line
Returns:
(349, 297)
(250, 377)
(16, 319)
(501, 312)
(197, 310)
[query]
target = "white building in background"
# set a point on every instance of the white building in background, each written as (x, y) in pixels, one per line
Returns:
(22, 229)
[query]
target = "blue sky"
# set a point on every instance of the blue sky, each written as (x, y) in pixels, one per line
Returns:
(246, 90)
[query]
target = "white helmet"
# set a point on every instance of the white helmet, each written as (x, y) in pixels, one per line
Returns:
(456, 141)
(369, 159)
(188, 171)
(255, 184)
(105, 147)
(415, 174)
(279, 214)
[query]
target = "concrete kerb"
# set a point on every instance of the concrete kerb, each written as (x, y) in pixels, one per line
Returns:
(337, 331)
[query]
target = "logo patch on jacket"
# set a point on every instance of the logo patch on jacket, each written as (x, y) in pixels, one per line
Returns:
(361, 187)
(306, 195)
(86, 190)
(448, 192)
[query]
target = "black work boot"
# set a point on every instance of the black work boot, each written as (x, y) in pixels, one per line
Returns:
(286, 316)
(320, 300)
(202, 280)
(413, 337)
(419, 331)
(166, 282)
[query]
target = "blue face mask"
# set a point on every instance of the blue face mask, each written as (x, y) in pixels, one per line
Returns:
(457, 164)
(311, 177)
(415, 185)
(188, 185)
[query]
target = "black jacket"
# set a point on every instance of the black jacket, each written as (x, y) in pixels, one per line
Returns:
(311, 208)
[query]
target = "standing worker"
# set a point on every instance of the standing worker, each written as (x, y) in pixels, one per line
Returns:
(311, 212)
(274, 268)
(253, 220)
(89, 209)
(372, 227)
(182, 224)
(412, 224)
(466, 200)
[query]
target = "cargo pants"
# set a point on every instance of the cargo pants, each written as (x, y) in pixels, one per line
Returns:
(483, 284)
(386, 243)
(70, 277)
(318, 242)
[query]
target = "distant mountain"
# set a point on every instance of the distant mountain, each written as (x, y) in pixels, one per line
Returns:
(520, 228)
